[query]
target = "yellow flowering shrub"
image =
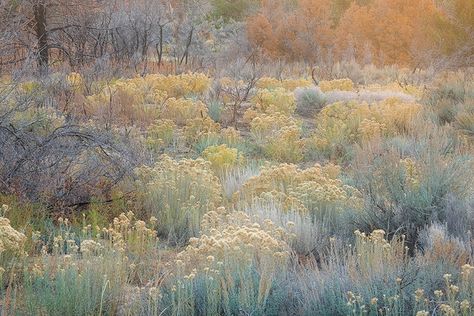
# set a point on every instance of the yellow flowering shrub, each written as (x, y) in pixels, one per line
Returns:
(412, 172)
(348, 122)
(288, 84)
(279, 135)
(235, 237)
(179, 193)
(76, 81)
(231, 245)
(264, 126)
(231, 136)
(128, 101)
(200, 128)
(182, 110)
(179, 85)
(222, 158)
(141, 99)
(125, 234)
(161, 134)
(336, 84)
(275, 101)
(285, 145)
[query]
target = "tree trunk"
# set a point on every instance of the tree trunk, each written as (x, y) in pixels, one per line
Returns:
(42, 55)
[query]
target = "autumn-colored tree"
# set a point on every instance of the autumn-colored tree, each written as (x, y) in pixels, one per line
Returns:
(285, 29)
(385, 31)
(402, 32)
(453, 32)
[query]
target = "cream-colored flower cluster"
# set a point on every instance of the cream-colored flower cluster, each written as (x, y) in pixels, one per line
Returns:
(288, 84)
(231, 248)
(373, 254)
(316, 190)
(179, 192)
(11, 240)
(232, 238)
(336, 84)
(76, 81)
(127, 234)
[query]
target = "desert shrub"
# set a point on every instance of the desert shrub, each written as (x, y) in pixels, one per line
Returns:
(142, 100)
(215, 110)
(279, 136)
(275, 101)
(182, 110)
(179, 193)
(410, 192)
(309, 237)
(448, 94)
(336, 84)
(199, 129)
(179, 85)
(232, 180)
(286, 145)
(231, 136)
(309, 100)
(436, 245)
(222, 158)
(231, 267)
(315, 191)
(161, 134)
(288, 84)
(12, 244)
(263, 126)
(86, 272)
(367, 96)
(344, 123)
(125, 101)
(464, 120)
(70, 290)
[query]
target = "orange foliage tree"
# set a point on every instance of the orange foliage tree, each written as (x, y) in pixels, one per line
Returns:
(293, 31)
(403, 32)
